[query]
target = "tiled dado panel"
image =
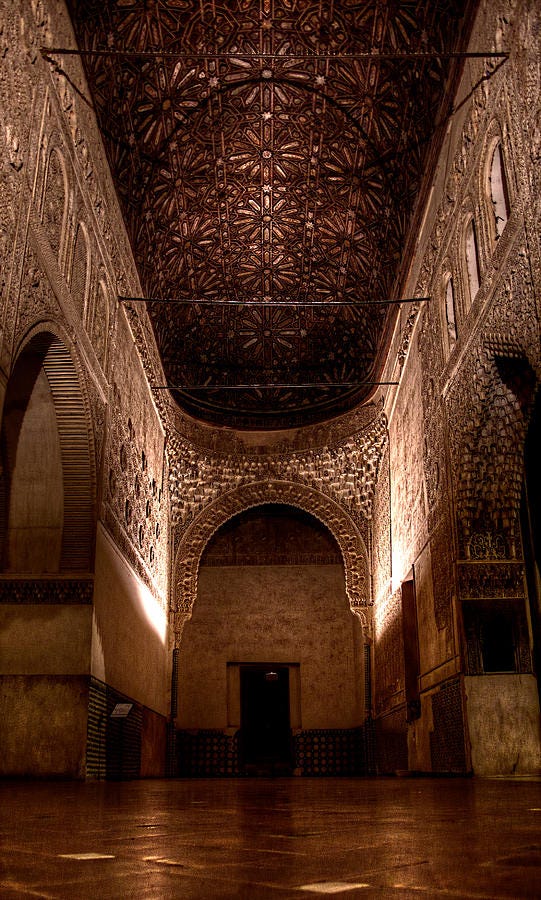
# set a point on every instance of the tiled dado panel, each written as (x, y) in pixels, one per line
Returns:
(316, 752)
(119, 749)
(113, 744)
(46, 590)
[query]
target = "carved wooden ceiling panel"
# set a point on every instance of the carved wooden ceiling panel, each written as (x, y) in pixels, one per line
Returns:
(269, 158)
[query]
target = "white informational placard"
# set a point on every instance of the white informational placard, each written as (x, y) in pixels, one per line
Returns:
(121, 710)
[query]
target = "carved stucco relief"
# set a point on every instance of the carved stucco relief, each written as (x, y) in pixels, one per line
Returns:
(346, 472)
(201, 529)
(135, 507)
(475, 422)
(490, 407)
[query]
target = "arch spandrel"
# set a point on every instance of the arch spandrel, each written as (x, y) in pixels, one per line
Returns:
(329, 513)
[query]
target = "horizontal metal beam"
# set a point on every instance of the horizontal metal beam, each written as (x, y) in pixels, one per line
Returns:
(372, 56)
(272, 303)
(267, 386)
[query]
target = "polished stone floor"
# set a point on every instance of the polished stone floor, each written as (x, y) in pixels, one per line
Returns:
(271, 838)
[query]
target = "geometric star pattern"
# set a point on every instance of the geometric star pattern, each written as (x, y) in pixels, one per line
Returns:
(269, 152)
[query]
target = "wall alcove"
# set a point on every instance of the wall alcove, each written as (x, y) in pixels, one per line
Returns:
(271, 615)
(47, 555)
(47, 518)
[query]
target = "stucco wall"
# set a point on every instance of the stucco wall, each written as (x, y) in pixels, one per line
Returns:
(129, 650)
(503, 719)
(44, 721)
(295, 614)
(45, 639)
(44, 660)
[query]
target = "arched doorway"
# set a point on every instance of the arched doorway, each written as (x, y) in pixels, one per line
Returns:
(271, 661)
(47, 521)
(46, 560)
(33, 493)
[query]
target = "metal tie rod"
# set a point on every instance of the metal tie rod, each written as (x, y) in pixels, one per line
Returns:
(267, 386)
(272, 303)
(340, 57)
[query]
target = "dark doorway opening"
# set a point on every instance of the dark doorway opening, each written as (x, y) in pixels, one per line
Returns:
(265, 724)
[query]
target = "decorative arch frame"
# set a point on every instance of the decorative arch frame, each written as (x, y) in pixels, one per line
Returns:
(470, 221)
(323, 508)
(495, 134)
(98, 310)
(54, 151)
(67, 384)
(489, 193)
(447, 277)
(82, 301)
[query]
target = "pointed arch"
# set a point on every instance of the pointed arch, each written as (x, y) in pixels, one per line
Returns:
(329, 513)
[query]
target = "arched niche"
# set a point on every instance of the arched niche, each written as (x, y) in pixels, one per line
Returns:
(497, 190)
(451, 328)
(329, 513)
(271, 596)
(47, 521)
(471, 258)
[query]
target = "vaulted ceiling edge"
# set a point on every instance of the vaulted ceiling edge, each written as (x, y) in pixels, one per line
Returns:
(238, 442)
(268, 156)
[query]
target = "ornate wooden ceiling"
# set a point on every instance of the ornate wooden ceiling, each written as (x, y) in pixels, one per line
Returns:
(262, 153)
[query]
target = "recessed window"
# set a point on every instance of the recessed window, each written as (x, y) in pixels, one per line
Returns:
(497, 643)
(496, 635)
(450, 312)
(499, 195)
(472, 260)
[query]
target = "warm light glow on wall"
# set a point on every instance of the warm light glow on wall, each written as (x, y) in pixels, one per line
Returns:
(400, 567)
(385, 613)
(154, 612)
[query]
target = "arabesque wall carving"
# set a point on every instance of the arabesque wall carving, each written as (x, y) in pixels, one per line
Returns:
(487, 444)
(66, 258)
(476, 386)
(491, 580)
(346, 473)
(477, 394)
(135, 508)
(201, 529)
